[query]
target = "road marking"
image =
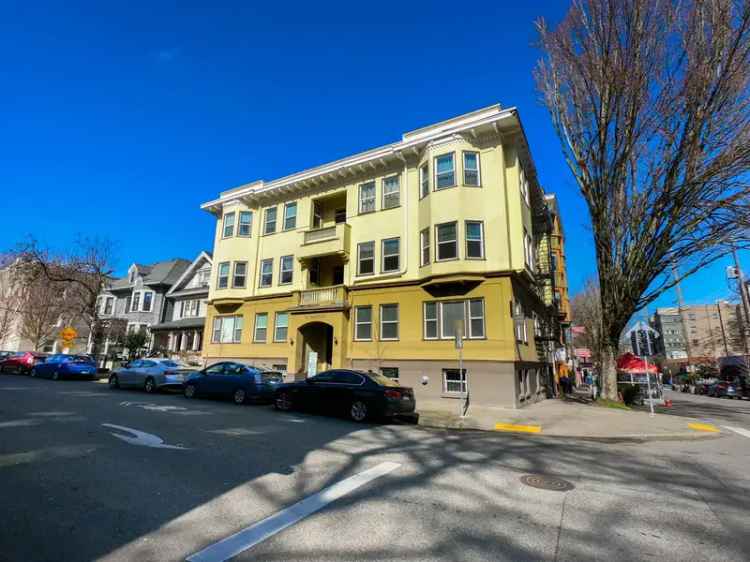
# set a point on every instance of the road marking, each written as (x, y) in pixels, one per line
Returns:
(738, 430)
(20, 423)
(260, 531)
(711, 428)
(518, 428)
(141, 438)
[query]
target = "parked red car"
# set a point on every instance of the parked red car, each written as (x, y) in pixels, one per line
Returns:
(21, 362)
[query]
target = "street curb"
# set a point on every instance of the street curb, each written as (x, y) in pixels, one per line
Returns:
(428, 422)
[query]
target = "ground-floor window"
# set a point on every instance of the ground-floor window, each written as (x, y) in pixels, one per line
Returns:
(390, 372)
(227, 329)
(454, 381)
(523, 383)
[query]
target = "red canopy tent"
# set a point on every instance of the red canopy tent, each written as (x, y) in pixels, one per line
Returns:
(629, 363)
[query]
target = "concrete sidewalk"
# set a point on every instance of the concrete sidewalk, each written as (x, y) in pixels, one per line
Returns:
(576, 418)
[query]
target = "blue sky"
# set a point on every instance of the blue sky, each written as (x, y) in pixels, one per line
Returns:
(119, 119)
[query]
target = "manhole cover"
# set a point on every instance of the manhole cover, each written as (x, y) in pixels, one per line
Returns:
(547, 483)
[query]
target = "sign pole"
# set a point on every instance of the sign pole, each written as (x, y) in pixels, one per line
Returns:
(459, 340)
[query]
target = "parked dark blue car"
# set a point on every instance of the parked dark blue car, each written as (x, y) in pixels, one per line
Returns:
(241, 383)
(65, 367)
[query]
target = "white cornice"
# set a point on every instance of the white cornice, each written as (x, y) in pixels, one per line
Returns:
(492, 117)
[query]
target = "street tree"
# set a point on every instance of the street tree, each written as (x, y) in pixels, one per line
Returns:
(651, 103)
(586, 313)
(11, 300)
(84, 271)
(42, 304)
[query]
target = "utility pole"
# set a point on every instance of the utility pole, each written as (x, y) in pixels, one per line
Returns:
(723, 332)
(743, 295)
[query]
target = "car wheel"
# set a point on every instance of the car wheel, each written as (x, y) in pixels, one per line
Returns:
(55, 376)
(150, 385)
(239, 396)
(33, 372)
(114, 382)
(358, 411)
(283, 402)
(189, 391)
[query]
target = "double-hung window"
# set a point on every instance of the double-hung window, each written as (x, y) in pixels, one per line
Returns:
(266, 272)
(290, 216)
(135, 304)
(227, 329)
(446, 236)
(445, 171)
(281, 326)
(261, 327)
(388, 321)
(223, 275)
(523, 185)
(442, 317)
(471, 169)
(148, 299)
(424, 181)
(286, 270)
(367, 197)
(109, 304)
(519, 318)
(454, 381)
(391, 257)
(366, 258)
(363, 323)
(240, 274)
(270, 225)
(528, 249)
(424, 247)
(246, 223)
(391, 192)
(474, 240)
(228, 225)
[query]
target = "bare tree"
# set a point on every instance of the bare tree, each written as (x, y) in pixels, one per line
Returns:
(650, 100)
(42, 304)
(586, 312)
(84, 272)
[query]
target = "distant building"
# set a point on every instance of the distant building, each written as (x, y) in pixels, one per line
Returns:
(713, 330)
(671, 341)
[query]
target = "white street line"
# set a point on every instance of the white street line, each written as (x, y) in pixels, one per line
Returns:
(141, 438)
(739, 430)
(260, 531)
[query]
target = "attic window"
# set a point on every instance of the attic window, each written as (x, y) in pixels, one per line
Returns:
(131, 278)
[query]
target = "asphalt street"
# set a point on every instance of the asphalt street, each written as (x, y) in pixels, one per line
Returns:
(89, 473)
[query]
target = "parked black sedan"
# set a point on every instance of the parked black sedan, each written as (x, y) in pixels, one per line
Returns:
(358, 394)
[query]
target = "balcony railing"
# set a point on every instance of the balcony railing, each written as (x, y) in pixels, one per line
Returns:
(333, 296)
(325, 241)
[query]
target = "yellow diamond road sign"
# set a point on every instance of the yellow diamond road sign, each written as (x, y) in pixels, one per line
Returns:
(68, 334)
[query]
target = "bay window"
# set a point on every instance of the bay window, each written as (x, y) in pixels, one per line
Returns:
(446, 241)
(445, 173)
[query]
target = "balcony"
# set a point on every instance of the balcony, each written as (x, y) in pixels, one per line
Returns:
(322, 298)
(330, 240)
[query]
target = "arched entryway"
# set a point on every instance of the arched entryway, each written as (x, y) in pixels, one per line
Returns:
(315, 347)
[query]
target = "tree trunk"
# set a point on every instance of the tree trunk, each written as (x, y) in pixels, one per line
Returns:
(609, 371)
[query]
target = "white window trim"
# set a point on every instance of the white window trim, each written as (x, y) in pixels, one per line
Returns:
(261, 285)
(436, 174)
(143, 300)
(478, 170)
(436, 320)
(256, 327)
(221, 319)
(266, 212)
(438, 243)
(234, 275)
(383, 255)
(462, 381)
(249, 224)
(276, 326)
(359, 258)
(424, 244)
(374, 197)
(282, 270)
(287, 206)
(224, 224)
(470, 329)
(467, 319)
(424, 176)
(396, 322)
(397, 192)
(357, 322)
(219, 276)
(481, 239)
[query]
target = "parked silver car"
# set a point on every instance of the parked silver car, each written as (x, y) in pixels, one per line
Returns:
(151, 374)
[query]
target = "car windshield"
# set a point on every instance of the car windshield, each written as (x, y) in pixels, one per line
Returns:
(382, 380)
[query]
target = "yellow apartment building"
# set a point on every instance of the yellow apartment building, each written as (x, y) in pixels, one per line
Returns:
(376, 261)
